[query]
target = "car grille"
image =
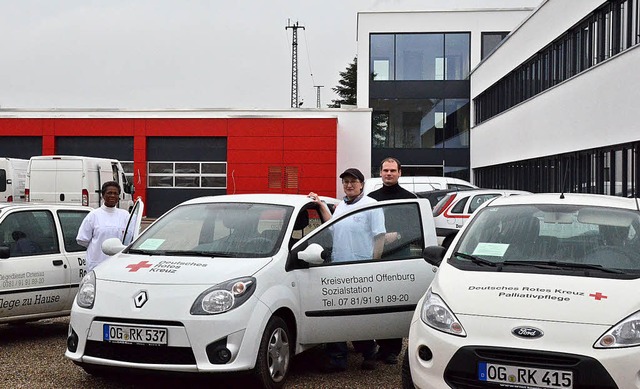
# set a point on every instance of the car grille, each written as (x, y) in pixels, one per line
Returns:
(462, 370)
(140, 354)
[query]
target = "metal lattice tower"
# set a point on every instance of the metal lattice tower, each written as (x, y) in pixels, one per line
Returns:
(294, 64)
(318, 94)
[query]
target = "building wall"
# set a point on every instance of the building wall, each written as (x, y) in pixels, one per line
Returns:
(310, 142)
(589, 110)
(406, 112)
(475, 21)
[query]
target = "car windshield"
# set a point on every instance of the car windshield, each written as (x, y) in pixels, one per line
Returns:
(552, 237)
(217, 230)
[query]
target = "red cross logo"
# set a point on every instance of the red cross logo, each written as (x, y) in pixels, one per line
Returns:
(598, 296)
(138, 266)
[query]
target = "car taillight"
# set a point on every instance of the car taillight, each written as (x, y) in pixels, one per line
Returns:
(85, 197)
(443, 204)
(26, 194)
(9, 199)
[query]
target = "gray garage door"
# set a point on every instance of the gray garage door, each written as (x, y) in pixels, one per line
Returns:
(23, 147)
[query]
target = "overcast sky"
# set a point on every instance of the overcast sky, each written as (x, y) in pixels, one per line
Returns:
(180, 53)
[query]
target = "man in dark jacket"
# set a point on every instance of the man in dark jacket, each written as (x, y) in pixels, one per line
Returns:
(390, 172)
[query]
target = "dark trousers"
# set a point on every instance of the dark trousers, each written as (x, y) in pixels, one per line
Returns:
(389, 346)
(338, 351)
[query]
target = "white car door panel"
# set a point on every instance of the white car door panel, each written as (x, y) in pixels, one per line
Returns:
(367, 298)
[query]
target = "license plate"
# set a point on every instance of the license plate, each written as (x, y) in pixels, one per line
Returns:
(525, 376)
(134, 335)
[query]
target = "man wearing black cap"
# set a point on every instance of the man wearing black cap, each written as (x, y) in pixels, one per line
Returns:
(390, 172)
(352, 244)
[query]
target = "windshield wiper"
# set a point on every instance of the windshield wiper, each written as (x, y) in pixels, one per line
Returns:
(146, 252)
(186, 253)
(474, 259)
(564, 265)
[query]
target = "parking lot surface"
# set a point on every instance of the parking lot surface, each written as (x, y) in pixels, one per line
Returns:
(32, 356)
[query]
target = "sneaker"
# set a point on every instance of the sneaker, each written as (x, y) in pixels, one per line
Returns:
(368, 364)
(391, 359)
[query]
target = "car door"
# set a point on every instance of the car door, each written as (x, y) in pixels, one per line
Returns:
(364, 298)
(70, 221)
(35, 278)
(133, 225)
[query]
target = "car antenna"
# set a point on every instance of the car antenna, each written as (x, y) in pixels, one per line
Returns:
(564, 180)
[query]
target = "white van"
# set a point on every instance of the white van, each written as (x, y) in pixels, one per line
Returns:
(13, 172)
(420, 183)
(75, 180)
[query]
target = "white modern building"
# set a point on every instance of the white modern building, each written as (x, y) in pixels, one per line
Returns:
(538, 97)
(554, 105)
(413, 73)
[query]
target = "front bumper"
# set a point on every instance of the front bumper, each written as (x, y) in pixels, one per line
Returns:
(440, 360)
(193, 341)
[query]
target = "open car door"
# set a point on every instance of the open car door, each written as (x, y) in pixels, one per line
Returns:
(133, 225)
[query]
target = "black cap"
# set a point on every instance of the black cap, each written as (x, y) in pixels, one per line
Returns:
(353, 172)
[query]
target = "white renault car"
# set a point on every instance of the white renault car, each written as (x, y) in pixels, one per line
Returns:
(243, 283)
(537, 291)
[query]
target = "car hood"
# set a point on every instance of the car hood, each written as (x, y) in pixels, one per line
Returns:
(538, 296)
(177, 270)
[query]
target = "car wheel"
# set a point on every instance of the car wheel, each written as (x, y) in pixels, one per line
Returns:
(407, 382)
(274, 354)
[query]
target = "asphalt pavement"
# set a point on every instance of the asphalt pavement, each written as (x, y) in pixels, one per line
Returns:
(32, 356)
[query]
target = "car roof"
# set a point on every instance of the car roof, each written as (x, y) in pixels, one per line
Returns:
(569, 198)
(472, 192)
(295, 200)
(30, 205)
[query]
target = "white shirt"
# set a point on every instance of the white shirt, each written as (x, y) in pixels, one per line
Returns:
(99, 225)
(353, 237)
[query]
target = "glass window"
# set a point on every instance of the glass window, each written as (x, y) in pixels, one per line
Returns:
(491, 40)
(237, 230)
(456, 49)
(70, 222)
(479, 200)
(457, 123)
(418, 56)
(29, 233)
(459, 206)
(188, 174)
(382, 65)
(396, 228)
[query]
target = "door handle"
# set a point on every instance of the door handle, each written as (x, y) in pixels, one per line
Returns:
(57, 262)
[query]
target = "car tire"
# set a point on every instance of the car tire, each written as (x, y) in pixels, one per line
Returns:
(407, 382)
(274, 355)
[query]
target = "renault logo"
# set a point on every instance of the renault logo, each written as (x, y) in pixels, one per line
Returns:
(140, 299)
(527, 332)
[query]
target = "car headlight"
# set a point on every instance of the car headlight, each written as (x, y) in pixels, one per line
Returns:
(87, 291)
(224, 297)
(436, 314)
(624, 334)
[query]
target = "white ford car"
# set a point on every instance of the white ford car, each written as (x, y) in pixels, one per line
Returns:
(536, 291)
(243, 283)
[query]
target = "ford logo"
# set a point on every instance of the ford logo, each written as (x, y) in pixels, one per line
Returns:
(527, 332)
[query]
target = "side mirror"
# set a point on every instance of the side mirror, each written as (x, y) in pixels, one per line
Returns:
(129, 188)
(4, 252)
(314, 254)
(434, 254)
(112, 246)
